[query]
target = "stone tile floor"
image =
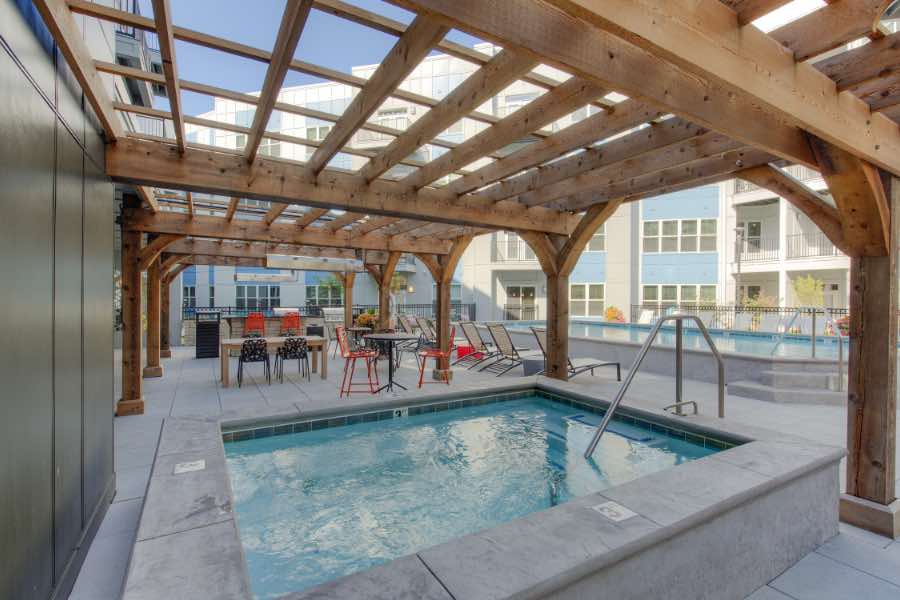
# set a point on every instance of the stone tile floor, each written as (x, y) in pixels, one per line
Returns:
(854, 564)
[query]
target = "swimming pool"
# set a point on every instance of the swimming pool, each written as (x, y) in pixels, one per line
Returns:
(321, 504)
(742, 342)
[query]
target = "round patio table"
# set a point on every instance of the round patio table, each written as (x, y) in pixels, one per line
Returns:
(390, 339)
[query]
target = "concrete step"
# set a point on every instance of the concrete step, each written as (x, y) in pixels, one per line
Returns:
(787, 395)
(799, 379)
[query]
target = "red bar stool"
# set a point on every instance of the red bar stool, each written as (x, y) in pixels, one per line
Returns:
(437, 354)
(350, 356)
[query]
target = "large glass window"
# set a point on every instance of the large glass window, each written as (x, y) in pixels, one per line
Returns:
(685, 235)
(586, 299)
(669, 295)
(324, 295)
(597, 243)
(212, 296)
(258, 297)
(189, 296)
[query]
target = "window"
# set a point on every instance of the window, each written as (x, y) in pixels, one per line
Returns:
(212, 296)
(189, 296)
(670, 295)
(324, 295)
(597, 242)
(455, 292)
(586, 299)
(751, 234)
(258, 297)
(317, 133)
(686, 235)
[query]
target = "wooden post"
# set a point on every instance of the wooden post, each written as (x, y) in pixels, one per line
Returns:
(153, 368)
(384, 290)
(870, 501)
(347, 279)
(164, 299)
(557, 326)
(132, 401)
(443, 279)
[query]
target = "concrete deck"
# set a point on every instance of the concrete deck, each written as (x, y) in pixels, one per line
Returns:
(854, 560)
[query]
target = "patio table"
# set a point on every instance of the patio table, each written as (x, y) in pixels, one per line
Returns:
(315, 343)
(390, 339)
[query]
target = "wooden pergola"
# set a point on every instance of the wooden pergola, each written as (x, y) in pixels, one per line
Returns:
(708, 97)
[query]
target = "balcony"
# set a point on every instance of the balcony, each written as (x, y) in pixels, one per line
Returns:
(758, 249)
(512, 250)
(810, 245)
(796, 171)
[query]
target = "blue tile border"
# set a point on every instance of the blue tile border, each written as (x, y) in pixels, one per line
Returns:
(622, 416)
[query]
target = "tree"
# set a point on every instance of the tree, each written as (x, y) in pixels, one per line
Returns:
(809, 291)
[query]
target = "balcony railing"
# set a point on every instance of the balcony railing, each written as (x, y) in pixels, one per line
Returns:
(458, 311)
(796, 171)
(810, 245)
(513, 251)
(758, 249)
(517, 312)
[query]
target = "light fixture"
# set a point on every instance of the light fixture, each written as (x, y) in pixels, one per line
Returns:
(314, 263)
(411, 289)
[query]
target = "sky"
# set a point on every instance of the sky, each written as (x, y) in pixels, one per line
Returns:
(326, 41)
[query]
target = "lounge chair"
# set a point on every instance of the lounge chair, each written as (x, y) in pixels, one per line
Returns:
(647, 317)
(426, 329)
(507, 357)
(480, 351)
(540, 334)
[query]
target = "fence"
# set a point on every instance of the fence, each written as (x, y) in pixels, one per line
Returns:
(512, 250)
(517, 312)
(759, 248)
(458, 311)
(810, 245)
(752, 318)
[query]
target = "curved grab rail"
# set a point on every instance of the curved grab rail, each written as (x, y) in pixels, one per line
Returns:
(678, 318)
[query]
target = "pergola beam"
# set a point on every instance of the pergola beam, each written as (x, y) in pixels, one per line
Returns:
(553, 105)
(163, 17)
(153, 163)
(705, 39)
(410, 49)
(257, 231)
(478, 88)
(292, 23)
(236, 249)
(68, 36)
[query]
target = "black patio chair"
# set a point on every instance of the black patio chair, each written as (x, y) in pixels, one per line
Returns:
(254, 350)
(293, 348)
(540, 334)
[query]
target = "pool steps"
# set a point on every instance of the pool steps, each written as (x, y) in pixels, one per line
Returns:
(801, 387)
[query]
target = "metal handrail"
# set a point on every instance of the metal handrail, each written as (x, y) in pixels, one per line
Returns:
(784, 332)
(678, 318)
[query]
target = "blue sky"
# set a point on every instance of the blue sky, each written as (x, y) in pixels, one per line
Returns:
(326, 40)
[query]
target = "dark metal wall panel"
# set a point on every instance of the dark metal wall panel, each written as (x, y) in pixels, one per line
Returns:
(56, 362)
(67, 336)
(99, 402)
(26, 400)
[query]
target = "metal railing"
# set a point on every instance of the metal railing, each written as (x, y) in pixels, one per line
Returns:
(733, 317)
(810, 245)
(458, 310)
(679, 374)
(514, 250)
(758, 249)
(796, 171)
(517, 312)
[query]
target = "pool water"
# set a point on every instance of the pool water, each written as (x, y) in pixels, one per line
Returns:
(318, 505)
(742, 342)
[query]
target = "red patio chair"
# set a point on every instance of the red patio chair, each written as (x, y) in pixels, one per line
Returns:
(350, 356)
(255, 324)
(290, 324)
(437, 354)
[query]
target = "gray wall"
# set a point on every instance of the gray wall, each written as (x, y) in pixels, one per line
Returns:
(56, 362)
